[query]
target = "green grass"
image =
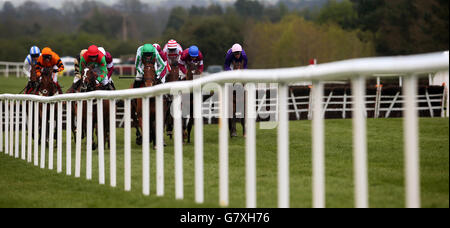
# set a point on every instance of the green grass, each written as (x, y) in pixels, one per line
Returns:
(24, 185)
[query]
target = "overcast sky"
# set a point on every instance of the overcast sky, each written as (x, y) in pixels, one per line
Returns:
(58, 3)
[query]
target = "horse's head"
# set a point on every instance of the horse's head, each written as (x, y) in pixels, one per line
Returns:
(33, 75)
(46, 86)
(191, 69)
(149, 72)
(237, 65)
(174, 74)
(89, 79)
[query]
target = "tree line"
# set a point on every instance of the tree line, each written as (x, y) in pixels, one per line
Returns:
(288, 33)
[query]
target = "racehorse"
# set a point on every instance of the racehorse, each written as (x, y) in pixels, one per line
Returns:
(46, 87)
(149, 79)
(33, 84)
(241, 100)
(187, 127)
(89, 84)
(173, 76)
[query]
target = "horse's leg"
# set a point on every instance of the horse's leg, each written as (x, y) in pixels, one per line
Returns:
(136, 121)
(94, 125)
(189, 129)
(168, 120)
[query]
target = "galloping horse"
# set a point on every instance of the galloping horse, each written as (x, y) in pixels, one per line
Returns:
(89, 84)
(187, 127)
(46, 87)
(33, 84)
(241, 100)
(149, 80)
(168, 119)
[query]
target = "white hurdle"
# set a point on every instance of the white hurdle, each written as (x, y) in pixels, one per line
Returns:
(357, 70)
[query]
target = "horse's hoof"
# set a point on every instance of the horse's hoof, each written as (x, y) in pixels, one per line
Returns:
(139, 141)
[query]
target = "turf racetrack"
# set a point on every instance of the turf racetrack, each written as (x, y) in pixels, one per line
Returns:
(24, 185)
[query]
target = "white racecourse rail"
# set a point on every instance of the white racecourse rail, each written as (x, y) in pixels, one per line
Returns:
(356, 70)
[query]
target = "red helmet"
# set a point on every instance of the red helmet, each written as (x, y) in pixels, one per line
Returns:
(92, 51)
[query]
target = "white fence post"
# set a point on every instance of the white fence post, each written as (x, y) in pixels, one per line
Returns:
(178, 145)
(68, 138)
(78, 139)
(16, 151)
(411, 144)
(11, 128)
(223, 145)
(145, 146)
(159, 145)
(101, 142)
(198, 118)
(51, 135)
(359, 143)
(24, 122)
(318, 155)
(89, 139)
(59, 138)
(250, 146)
(127, 145)
(36, 133)
(283, 147)
(43, 133)
(6, 115)
(112, 142)
(30, 131)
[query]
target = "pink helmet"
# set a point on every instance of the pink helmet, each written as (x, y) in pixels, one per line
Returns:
(158, 48)
(236, 47)
(172, 44)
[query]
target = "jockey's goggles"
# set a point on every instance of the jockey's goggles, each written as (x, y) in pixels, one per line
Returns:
(34, 56)
(93, 56)
(236, 53)
(47, 57)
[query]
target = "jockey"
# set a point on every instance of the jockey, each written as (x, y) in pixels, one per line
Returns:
(94, 57)
(173, 51)
(109, 66)
(30, 60)
(50, 59)
(164, 58)
(145, 51)
(76, 62)
(191, 56)
(235, 54)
